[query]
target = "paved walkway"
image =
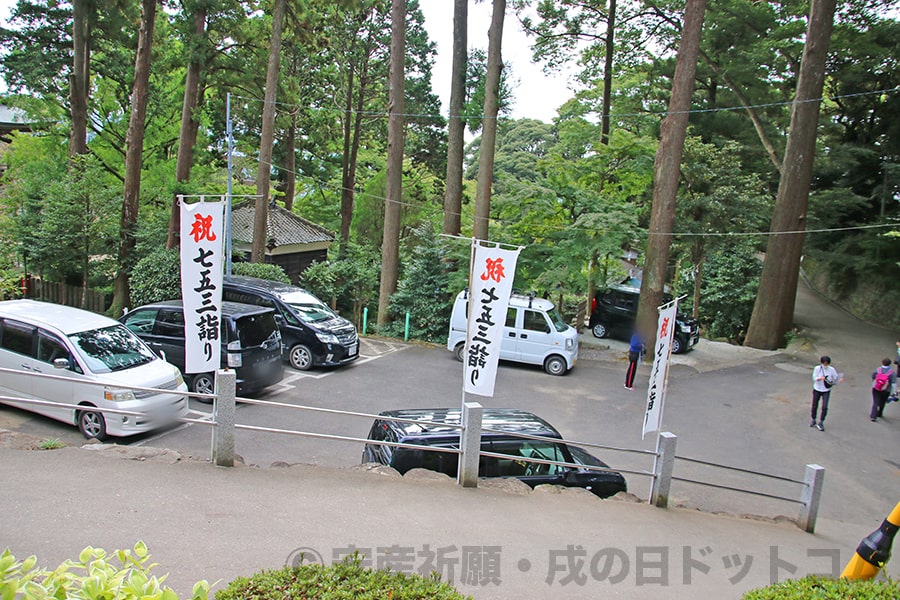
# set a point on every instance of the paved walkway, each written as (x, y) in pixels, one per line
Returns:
(204, 522)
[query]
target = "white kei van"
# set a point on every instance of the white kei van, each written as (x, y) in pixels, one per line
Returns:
(82, 350)
(535, 333)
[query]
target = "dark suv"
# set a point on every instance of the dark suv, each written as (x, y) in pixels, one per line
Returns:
(614, 311)
(312, 333)
(434, 427)
(251, 342)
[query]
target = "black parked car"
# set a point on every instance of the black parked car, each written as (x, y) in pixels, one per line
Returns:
(614, 312)
(312, 333)
(506, 421)
(251, 342)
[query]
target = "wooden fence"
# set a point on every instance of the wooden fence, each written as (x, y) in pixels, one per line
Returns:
(70, 295)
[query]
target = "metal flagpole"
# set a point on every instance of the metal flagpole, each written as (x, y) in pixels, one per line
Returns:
(228, 133)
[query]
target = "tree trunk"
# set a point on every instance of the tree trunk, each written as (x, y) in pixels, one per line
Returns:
(456, 126)
(134, 144)
(390, 245)
(667, 168)
(773, 311)
(346, 186)
(489, 123)
(290, 163)
(607, 74)
(267, 139)
(187, 137)
(78, 80)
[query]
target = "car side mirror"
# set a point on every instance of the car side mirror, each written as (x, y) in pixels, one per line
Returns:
(60, 363)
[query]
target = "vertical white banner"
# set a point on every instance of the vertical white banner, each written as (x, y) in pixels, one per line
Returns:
(201, 283)
(656, 392)
(490, 285)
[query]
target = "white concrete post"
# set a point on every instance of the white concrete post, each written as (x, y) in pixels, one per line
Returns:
(470, 444)
(223, 415)
(810, 496)
(663, 466)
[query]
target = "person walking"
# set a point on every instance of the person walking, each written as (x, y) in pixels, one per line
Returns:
(635, 351)
(824, 378)
(883, 379)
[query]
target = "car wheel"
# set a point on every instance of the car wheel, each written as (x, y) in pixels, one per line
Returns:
(599, 330)
(555, 365)
(678, 345)
(301, 357)
(91, 424)
(204, 383)
(460, 352)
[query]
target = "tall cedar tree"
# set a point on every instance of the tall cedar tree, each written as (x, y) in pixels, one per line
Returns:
(667, 168)
(456, 126)
(489, 124)
(190, 125)
(134, 146)
(267, 139)
(390, 244)
(773, 311)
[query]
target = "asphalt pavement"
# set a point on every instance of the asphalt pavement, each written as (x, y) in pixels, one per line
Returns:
(496, 541)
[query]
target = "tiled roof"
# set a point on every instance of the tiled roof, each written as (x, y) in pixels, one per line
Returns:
(284, 227)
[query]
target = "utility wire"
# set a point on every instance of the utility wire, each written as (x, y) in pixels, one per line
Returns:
(434, 211)
(612, 115)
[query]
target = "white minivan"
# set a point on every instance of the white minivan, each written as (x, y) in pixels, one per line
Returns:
(535, 333)
(95, 360)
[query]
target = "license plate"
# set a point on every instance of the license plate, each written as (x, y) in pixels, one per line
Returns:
(354, 349)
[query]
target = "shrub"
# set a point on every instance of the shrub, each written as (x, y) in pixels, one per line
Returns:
(260, 270)
(122, 575)
(346, 579)
(826, 588)
(156, 277)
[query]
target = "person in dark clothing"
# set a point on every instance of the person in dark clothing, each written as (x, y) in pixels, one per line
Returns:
(883, 379)
(635, 351)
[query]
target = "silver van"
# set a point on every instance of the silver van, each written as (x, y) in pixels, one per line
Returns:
(83, 349)
(535, 333)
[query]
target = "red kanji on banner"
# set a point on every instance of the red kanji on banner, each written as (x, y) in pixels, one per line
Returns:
(202, 228)
(493, 270)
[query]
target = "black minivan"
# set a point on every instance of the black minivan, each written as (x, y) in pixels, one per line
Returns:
(251, 342)
(614, 312)
(439, 427)
(312, 334)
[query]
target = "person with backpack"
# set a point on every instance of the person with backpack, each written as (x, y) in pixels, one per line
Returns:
(883, 379)
(824, 378)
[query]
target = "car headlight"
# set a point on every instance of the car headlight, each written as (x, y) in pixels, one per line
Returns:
(570, 343)
(327, 338)
(179, 378)
(118, 395)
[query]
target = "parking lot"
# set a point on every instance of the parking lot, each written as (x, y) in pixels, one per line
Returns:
(731, 406)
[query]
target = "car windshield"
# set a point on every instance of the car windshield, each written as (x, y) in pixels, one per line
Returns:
(557, 320)
(309, 308)
(111, 349)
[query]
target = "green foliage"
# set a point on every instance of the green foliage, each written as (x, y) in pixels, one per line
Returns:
(825, 588)
(51, 444)
(348, 283)
(122, 575)
(260, 270)
(347, 579)
(730, 278)
(156, 277)
(424, 292)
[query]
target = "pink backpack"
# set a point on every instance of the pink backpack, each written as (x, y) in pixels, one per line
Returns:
(882, 380)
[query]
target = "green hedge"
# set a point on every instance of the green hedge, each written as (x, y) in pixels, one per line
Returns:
(343, 580)
(825, 588)
(121, 575)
